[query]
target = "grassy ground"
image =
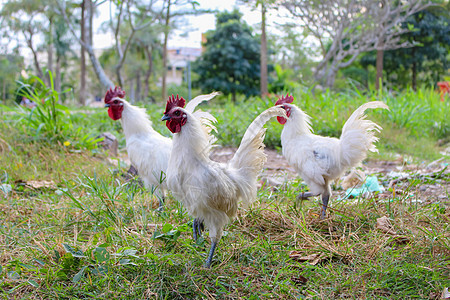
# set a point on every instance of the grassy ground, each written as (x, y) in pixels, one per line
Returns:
(89, 233)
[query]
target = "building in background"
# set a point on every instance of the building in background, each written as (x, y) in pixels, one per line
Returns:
(178, 62)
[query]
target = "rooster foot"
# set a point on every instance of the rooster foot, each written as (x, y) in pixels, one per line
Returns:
(304, 195)
(161, 205)
(197, 228)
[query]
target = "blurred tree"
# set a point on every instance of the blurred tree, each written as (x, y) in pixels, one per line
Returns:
(10, 66)
(173, 10)
(62, 43)
(264, 6)
(353, 27)
(131, 17)
(25, 17)
(66, 10)
(149, 46)
(293, 52)
(231, 60)
(428, 58)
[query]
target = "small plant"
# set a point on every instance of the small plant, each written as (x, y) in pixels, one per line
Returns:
(49, 120)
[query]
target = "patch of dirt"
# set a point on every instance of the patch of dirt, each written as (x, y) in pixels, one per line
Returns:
(276, 170)
(398, 177)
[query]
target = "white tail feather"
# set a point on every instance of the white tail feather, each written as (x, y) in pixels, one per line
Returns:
(358, 135)
(250, 156)
(199, 99)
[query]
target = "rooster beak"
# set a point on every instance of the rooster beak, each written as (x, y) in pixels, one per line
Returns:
(165, 117)
(107, 105)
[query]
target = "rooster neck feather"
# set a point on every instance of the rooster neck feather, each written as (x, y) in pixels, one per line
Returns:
(135, 120)
(192, 140)
(299, 123)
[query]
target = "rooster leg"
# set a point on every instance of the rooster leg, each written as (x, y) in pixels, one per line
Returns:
(211, 254)
(325, 198)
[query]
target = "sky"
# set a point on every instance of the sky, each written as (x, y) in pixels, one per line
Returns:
(189, 35)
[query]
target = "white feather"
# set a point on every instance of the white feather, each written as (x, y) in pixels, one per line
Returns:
(319, 159)
(211, 191)
(148, 150)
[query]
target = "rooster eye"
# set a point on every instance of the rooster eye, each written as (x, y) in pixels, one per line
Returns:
(177, 113)
(115, 101)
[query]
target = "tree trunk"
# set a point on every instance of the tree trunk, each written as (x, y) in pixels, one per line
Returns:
(82, 95)
(331, 78)
(3, 92)
(414, 70)
(50, 49)
(91, 22)
(149, 71)
(138, 86)
(379, 67)
(35, 57)
(101, 75)
(132, 95)
(57, 76)
(264, 75)
(166, 37)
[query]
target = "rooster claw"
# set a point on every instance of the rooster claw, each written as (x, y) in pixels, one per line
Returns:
(161, 205)
(197, 228)
(304, 195)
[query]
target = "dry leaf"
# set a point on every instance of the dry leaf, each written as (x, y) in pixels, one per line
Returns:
(400, 239)
(299, 279)
(38, 184)
(445, 294)
(313, 259)
(384, 225)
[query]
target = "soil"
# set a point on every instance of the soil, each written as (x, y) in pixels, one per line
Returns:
(397, 177)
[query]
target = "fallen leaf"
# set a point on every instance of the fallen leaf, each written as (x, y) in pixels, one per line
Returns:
(313, 259)
(445, 294)
(400, 239)
(384, 225)
(299, 279)
(49, 184)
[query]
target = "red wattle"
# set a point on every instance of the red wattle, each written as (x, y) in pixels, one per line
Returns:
(281, 120)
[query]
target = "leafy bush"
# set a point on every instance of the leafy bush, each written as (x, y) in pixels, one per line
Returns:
(49, 121)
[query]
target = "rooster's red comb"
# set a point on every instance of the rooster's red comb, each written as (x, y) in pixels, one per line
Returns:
(174, 102)
(112, 93)
(283, 99)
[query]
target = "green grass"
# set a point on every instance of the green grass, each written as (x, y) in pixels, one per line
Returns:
(97, 236)
(94, 235)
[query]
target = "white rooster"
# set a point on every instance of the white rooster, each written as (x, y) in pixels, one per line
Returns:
(148, 150)
(211, 191)
(320, 160)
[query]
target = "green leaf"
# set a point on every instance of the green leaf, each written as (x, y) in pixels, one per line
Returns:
(75, 253)
(33, 283)
(101, 254)
(79, 275)
(13, 275)
(167, 227)
(40, 262)
(126, 261)
(130, 252)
